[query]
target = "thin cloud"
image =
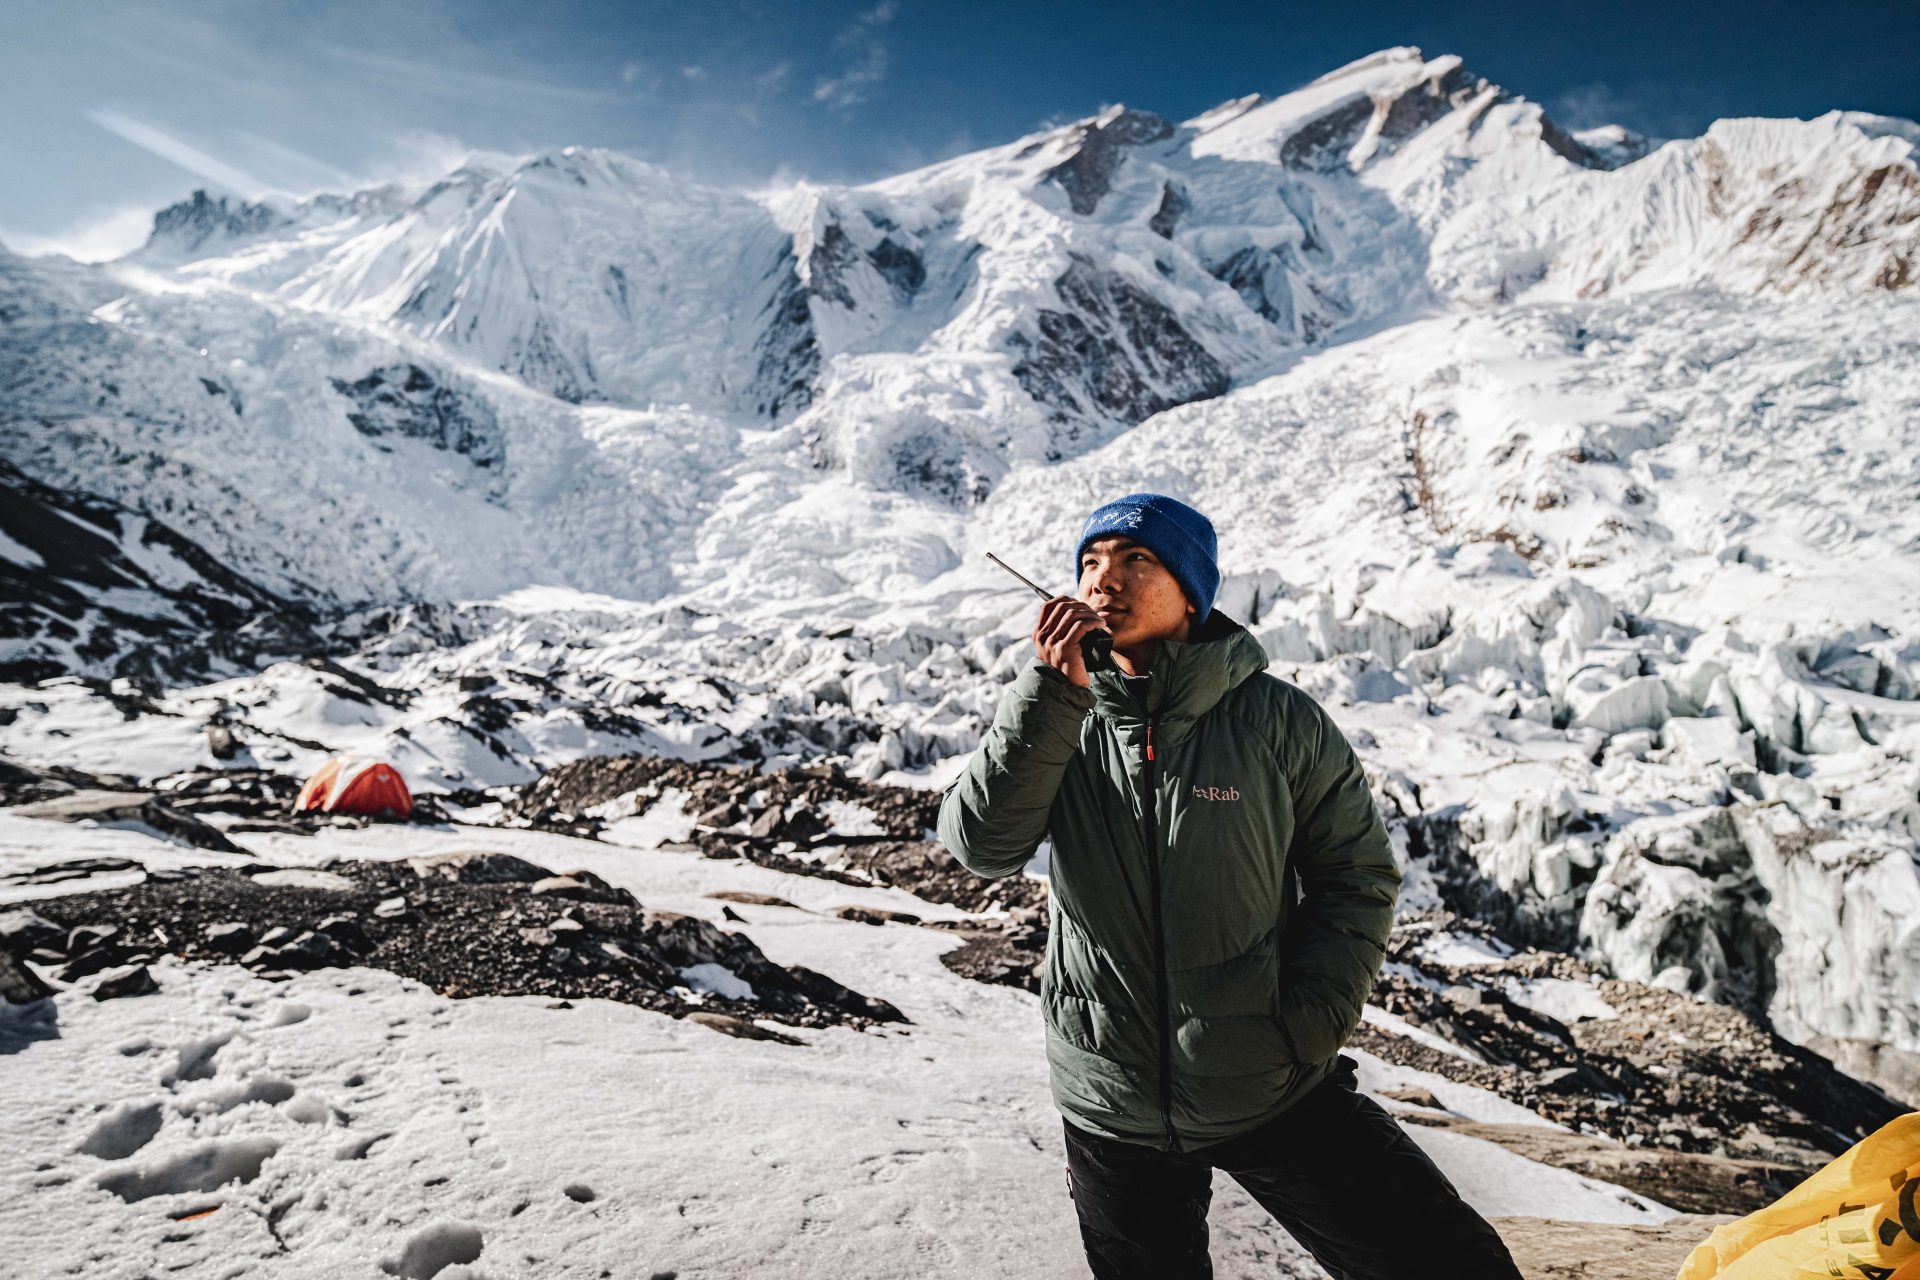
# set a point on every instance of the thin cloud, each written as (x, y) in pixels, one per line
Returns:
(867, 63)
(170, 148)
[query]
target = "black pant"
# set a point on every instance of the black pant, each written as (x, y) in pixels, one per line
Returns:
(1334, 1169)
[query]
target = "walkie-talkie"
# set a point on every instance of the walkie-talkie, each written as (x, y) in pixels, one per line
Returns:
(1096, 647)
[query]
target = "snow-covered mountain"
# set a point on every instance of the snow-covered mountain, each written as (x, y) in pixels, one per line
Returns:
(1576, 473)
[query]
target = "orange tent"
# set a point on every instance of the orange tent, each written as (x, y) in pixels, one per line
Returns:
(348, 785)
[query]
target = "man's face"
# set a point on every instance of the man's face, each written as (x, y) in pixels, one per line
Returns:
(1134, 594)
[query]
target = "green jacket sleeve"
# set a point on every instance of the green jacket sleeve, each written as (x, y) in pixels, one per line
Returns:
(1336, 936)
(995, 814)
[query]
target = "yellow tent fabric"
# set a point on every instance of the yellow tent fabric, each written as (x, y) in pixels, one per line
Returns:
(1858, 1218)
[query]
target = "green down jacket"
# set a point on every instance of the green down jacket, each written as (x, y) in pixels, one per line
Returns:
(1190, 993)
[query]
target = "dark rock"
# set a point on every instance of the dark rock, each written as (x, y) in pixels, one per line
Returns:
(313, 950)
(130, 806)
(346, 931)
(135, 980)
(1173, 203)
(728, 913)
(738, 1027)
(221, 742)
(95, 961)
(991, 957)
(752, 899)
(901, 266)
(190, 223)
(787, 352)
(481, 866)
(1115, 351)
(21, 930)
(721, 815)
(1099, 149)
(875, 915)
(18, 983)
(186, 828)
(229, 937)
(406, 400)
(89, 937)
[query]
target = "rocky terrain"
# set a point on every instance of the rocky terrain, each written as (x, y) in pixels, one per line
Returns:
(462, 924)
(1690, 1102)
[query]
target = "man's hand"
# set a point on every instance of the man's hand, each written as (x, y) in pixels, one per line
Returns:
(1063, 620)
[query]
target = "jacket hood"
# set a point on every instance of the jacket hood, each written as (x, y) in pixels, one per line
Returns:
(1189, 676)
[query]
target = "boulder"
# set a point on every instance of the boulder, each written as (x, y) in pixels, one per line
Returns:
(229, 938)
(21, 930)
(752, 899)
(134, 980)
(478, 866)
(18, 983)
(875, 915)
(730, 1025)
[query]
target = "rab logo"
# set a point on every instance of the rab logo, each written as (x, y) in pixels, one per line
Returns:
(1216, 793)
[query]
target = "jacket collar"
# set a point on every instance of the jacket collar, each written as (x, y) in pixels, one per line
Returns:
(1189, 676)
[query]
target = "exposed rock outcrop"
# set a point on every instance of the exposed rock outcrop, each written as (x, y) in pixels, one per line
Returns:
(406, 400)
(1113, 351)
(1099, 148)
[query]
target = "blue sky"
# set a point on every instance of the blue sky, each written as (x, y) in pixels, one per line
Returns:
(112, 108)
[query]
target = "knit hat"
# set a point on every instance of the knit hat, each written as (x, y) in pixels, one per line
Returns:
(1172, 530)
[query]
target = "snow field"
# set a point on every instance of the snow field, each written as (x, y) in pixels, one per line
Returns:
(349, 1120)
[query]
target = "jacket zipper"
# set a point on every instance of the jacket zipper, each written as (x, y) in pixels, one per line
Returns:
(1159, 943)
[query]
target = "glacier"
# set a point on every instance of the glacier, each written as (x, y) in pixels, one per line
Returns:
(1576, 474)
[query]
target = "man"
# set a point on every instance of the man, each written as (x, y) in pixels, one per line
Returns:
(1222, 889)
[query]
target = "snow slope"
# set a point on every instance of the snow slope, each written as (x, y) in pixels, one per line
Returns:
(348, 1119)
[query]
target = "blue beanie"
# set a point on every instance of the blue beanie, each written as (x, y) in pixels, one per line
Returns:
(1172, 530)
